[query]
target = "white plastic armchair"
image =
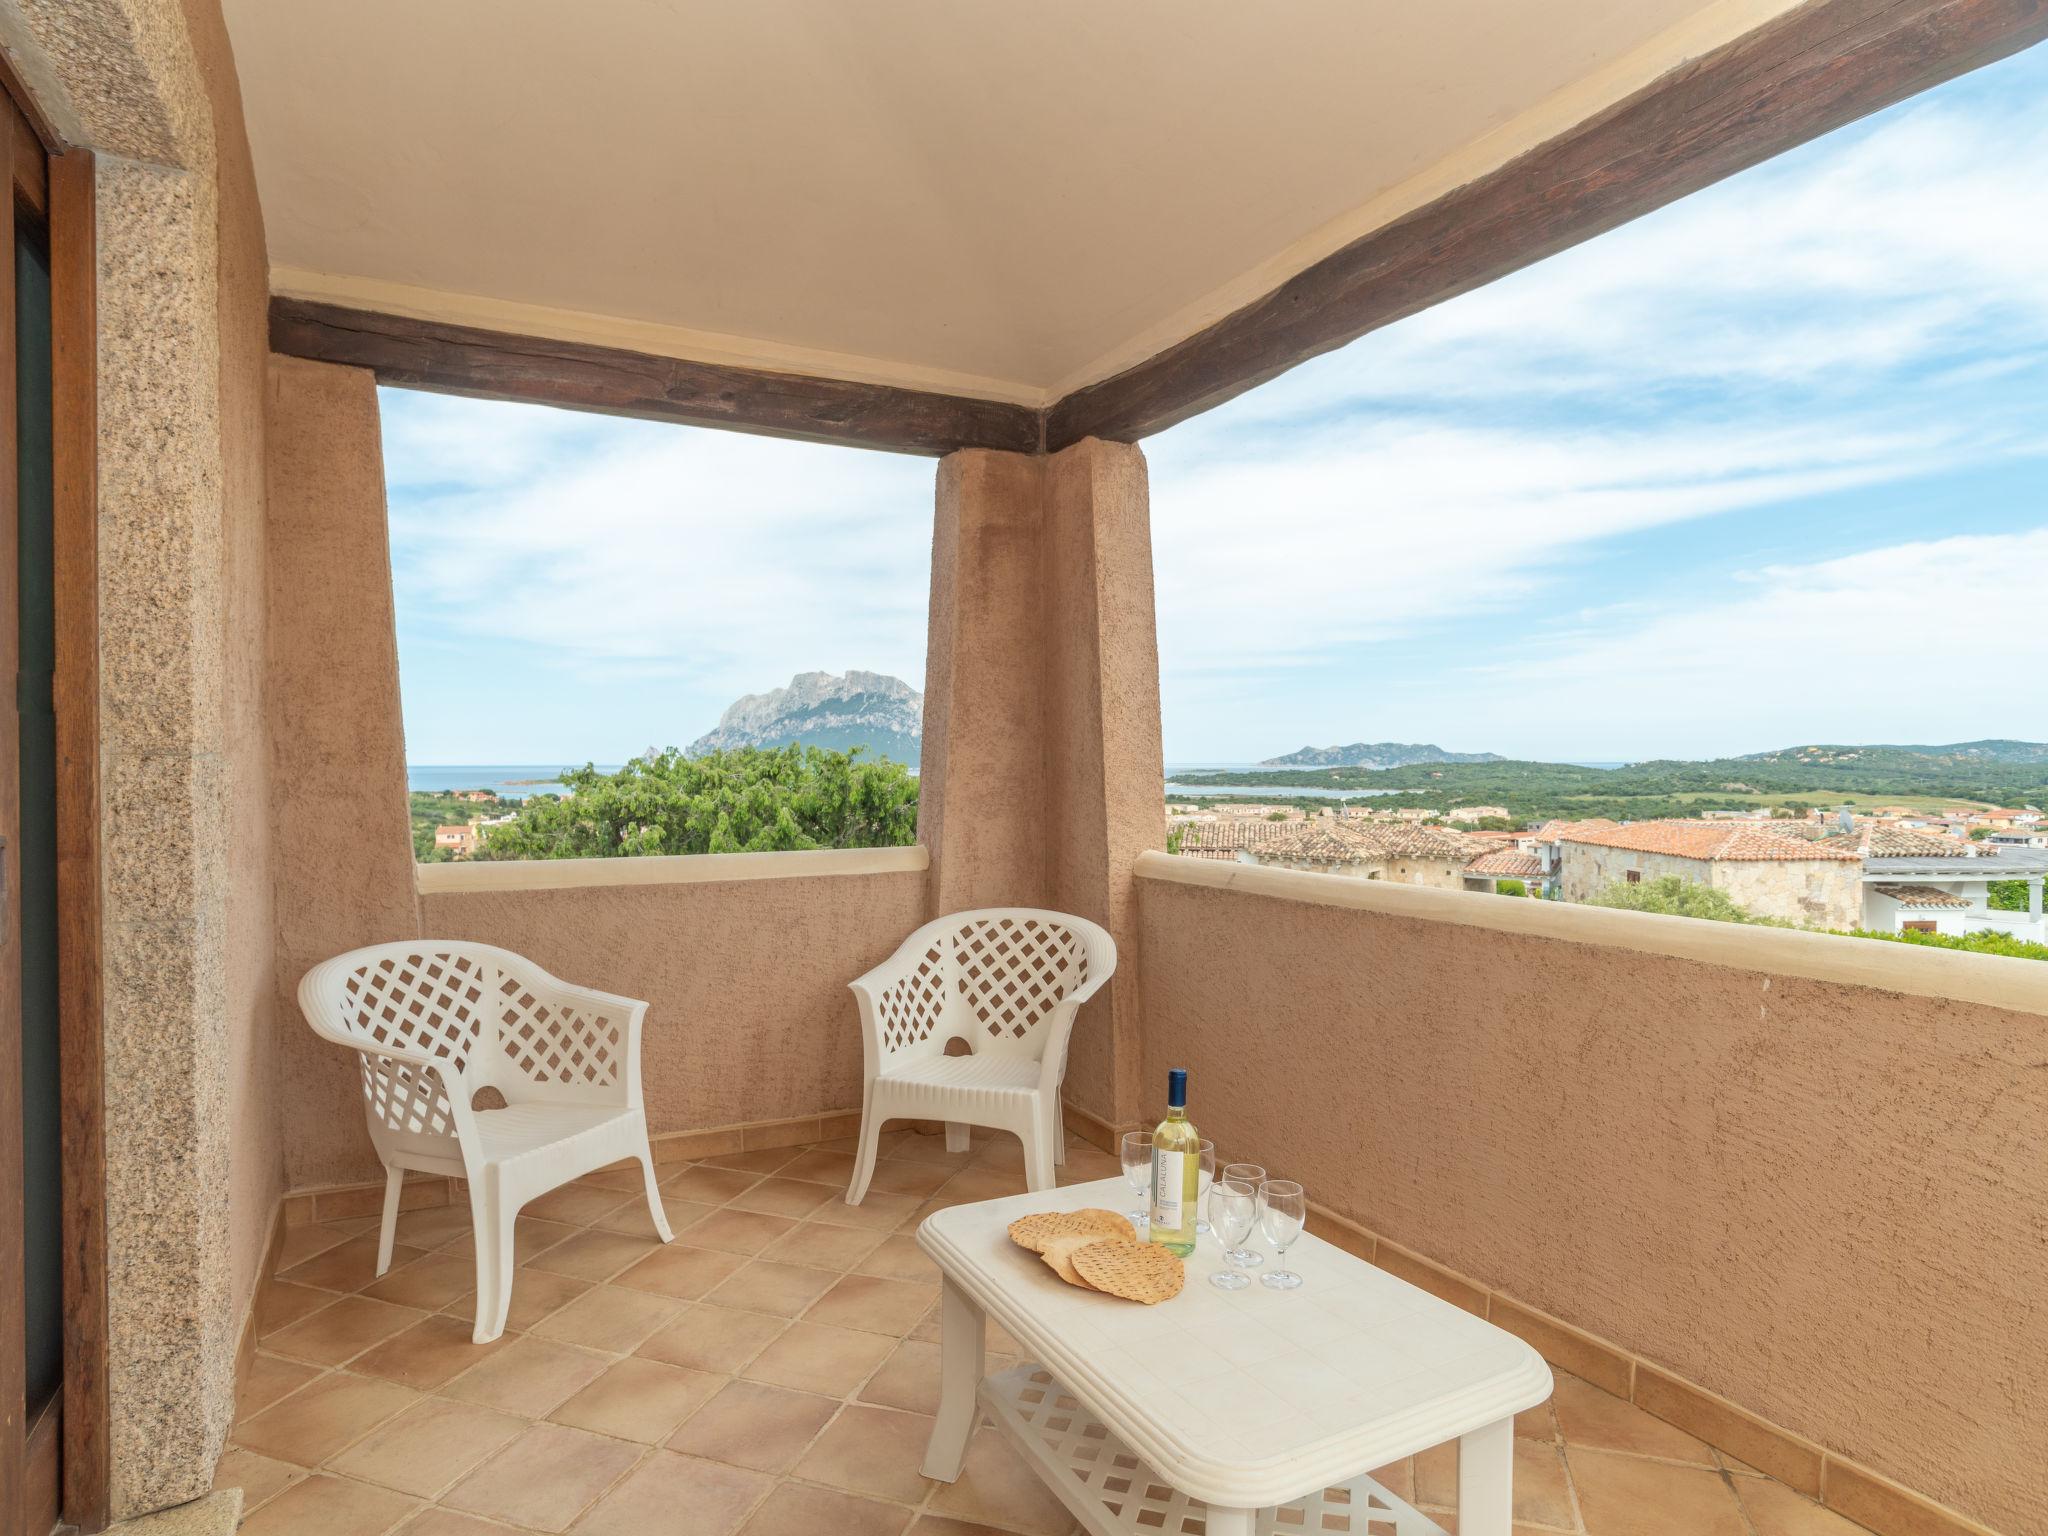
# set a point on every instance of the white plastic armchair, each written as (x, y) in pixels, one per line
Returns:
(1008, 981)
(433, 1022)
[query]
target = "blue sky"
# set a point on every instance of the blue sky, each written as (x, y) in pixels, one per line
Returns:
(1770, 465)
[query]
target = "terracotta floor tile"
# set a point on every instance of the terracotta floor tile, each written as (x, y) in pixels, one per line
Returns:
(680, 1270)
(632, 1219)
(1542, 1496)
(834, 1170)
(908, 1379)
(427, 1447)
(1601, 1421)
(302, 1243)
(1436, 1475)
(1776, 1510)
(347, 1266)
(782, 1290)
(535, 1294)
(742, 1232)
(1538, 1423)
(708, 1338)
(317, 1421)
(998, 1339)
(1398, 1478)
(765, 1160)
(678, 1496)
(432, 1351)
(280, 1304)
(920, 1148)
(610, 1317)
(531, 1237)
(259, 1477)
(879, 1212)
(1622, 1495)
(579, 1204)
(1005, 1151)
(897, 1176)
(814, 1358)
(823, 1247)
(708, 1186)
(899, 1258)
(751, 1425)
(943, 1525)
(269, 1378)
(871, 1450)
(893, 1307)
(435, 1226)
(329, 1506)
(545, 1478)
(341, 1331)
(594, 1255)
(981, 1184)
(431, 1281)
(531, 1377)
(436, 1521)
(779, 1196)
(794, 1509)
(996, 1485)
(639, 1399)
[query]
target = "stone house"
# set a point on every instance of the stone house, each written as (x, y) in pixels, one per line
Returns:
(1793, 880)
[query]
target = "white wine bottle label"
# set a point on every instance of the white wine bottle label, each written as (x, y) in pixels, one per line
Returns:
(1167, 1189)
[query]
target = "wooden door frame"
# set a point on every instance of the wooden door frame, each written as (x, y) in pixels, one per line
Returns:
(61, 1461)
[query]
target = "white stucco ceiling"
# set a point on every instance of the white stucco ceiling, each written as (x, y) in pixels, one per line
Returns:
(1006, 199)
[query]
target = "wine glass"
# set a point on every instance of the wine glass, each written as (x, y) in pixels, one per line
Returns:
(1283, 1209)
(1137, 1154)
(1237, 1253)
(1233, 1207)
(1208, 1177)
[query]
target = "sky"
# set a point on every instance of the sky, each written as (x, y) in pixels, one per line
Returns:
(1768, 466)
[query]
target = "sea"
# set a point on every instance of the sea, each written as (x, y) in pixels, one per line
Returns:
(513, 781)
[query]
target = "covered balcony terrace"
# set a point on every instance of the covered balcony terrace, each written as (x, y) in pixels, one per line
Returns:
(1772, 1204)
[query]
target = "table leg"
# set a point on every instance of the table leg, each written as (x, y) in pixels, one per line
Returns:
(1225, 1521)
(963, 1338)
(1486, 1471)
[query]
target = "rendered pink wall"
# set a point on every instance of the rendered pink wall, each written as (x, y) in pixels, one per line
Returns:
(1826, 1203)
(1042, 772)
(749, 1015)
(338, 811)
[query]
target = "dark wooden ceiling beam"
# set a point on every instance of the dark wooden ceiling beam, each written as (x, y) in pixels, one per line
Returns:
(461, 359)
(1793, 79)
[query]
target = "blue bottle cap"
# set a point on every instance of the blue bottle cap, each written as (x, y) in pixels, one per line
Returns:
(1177, 1088)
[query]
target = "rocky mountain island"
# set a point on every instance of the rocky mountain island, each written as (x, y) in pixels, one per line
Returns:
(854, 709)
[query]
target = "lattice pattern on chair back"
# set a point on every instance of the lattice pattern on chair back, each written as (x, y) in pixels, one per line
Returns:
(1013, 972)
(910, 1010)
(428, 1001)
(553, 1044)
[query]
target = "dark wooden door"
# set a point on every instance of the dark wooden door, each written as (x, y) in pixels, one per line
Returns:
(31, 1188)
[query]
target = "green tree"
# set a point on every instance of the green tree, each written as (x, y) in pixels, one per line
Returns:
(1510, 888)
(1677, 897)
(2008, 895)
(1982, 942)
(750, 800)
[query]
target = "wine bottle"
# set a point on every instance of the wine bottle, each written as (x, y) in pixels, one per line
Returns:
(1176, 1170)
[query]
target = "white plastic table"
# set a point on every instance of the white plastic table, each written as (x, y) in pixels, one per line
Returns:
(1267, 1407)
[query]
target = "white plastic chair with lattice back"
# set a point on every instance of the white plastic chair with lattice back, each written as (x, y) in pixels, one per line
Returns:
(1008, 981)
(434, 1023)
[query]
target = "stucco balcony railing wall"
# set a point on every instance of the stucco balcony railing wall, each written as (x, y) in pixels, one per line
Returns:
(1816, 1198)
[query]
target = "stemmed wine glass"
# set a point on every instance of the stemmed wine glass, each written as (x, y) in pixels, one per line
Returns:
(1283, 1209)
(1237, 1252)
(1137, 1155)
(1208, 1177)
(1233, 1207)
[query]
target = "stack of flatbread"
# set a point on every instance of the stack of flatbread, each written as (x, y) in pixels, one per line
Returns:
(1097, 1251)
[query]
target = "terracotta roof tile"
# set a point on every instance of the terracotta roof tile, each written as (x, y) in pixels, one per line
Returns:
(1701, 840)
(1506, 861)
(1921, 896)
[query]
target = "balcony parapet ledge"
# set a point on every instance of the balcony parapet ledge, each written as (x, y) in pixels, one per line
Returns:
(665, 869)
(1997, 981)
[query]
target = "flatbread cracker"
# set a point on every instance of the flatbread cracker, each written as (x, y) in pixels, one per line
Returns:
(1059, 1253)
(1041, 1227)
(1135, 1271)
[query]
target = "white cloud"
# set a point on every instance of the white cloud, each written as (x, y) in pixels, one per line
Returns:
(659, 551)
(1930, 632)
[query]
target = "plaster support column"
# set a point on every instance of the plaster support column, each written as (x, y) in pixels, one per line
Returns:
(1042, 770)
(339, 810)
